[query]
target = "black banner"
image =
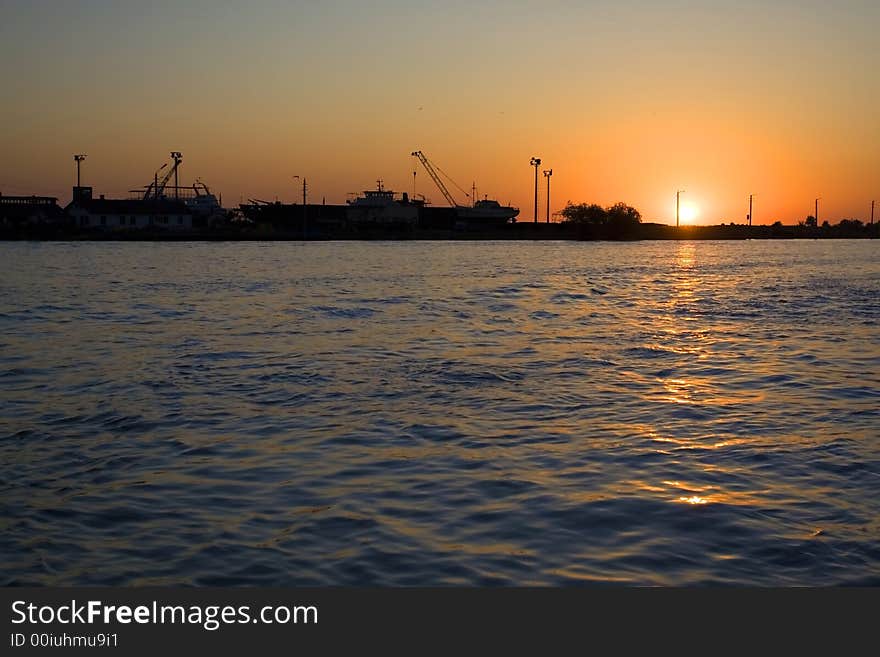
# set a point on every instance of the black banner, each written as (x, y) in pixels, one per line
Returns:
(128, 621)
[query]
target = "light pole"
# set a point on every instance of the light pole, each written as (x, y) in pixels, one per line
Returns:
(750, 209)
(547, 174)
(178, 158)
(816, 212)
(678, 205)
(78, 159)
(536, 162)
(872, 213)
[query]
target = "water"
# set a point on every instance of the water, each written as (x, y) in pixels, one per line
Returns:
(445, 413)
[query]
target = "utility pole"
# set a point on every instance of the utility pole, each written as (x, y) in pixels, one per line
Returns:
(816, 213)
(79, 158)
(750, 209)
(547, 174)
(304, 205)
(177, 157)
(536, 162)
(678, 205)
(872, 213)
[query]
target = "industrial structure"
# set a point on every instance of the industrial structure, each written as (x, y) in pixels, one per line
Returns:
(198, 198)
(480, 211)
(30, 211)
(157, 206)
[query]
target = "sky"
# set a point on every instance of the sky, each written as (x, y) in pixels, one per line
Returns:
(626, 100)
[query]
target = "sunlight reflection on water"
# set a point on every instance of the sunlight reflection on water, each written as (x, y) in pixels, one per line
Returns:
(440, 413)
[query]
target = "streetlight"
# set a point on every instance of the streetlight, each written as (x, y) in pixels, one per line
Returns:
(816, 212)
(678, 205)
(78, 159)
(178, 158)
(547, 174)
(536, 162)
(750, 209)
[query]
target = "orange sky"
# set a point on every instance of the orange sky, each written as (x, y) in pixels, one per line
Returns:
(625, 100)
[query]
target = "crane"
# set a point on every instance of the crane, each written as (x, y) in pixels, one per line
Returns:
(156, 189)
(153, 187)
(429, 167)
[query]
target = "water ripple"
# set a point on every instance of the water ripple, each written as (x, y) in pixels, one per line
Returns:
(440, 413)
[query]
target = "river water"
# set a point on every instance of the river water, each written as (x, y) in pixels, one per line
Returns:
(415, 413)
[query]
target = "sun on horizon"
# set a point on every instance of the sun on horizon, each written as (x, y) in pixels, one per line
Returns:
(688, 213)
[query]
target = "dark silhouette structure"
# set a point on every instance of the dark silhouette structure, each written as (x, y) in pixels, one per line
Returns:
(547, 174)
(24, 211)
(78, 159)
(678, 205)
(536, 162)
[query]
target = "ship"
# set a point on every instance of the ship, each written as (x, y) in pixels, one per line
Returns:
(201, 201)
(487, 210)
(197, 198)
(379, 206)
(483, 212)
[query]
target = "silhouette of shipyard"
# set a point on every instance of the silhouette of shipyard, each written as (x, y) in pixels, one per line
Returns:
(160, 210)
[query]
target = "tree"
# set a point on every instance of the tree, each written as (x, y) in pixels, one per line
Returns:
(810, 221)
(621, 215)
(585, 214)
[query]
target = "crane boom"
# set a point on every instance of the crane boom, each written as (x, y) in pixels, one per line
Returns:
(437, 181)
(161, 190)
(156, 189)
(152, 188)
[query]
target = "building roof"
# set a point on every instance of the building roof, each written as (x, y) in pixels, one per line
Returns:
(30, 208)
(28, 200)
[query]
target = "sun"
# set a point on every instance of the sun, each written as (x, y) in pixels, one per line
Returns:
(688, 212)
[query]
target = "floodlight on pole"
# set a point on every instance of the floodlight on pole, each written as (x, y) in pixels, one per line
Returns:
(536, 162)
(177, 156)
(78, 158)
(547, 174)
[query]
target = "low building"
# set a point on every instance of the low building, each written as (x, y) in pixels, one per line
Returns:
(123, 214)
(30, 210)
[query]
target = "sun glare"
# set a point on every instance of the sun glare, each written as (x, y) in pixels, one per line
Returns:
(688, 213)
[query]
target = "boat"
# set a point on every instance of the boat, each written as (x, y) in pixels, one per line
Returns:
(202, 201)
(485, 211)
(198, 198)
(379, 206)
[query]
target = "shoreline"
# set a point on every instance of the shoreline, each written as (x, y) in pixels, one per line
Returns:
(513, 232)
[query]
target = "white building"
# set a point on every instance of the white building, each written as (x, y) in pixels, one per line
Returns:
(120, 214)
